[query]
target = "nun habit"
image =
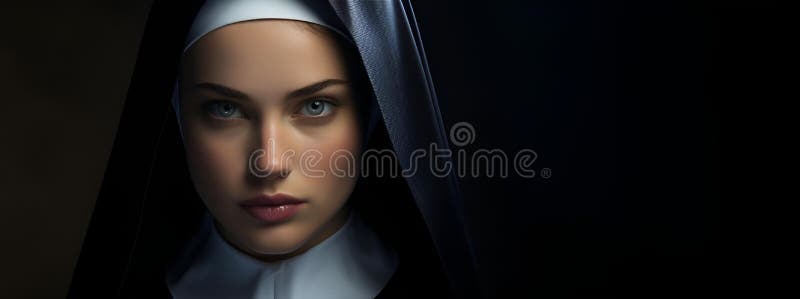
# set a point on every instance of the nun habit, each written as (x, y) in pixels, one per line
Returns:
(148, 217)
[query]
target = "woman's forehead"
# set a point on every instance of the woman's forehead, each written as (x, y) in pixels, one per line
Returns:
(248, 54)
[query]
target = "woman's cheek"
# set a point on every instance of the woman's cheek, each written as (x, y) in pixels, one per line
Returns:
(341, 154)
(215, 168)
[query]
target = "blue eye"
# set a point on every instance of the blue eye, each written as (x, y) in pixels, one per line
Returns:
(224, 109)
(316, 108)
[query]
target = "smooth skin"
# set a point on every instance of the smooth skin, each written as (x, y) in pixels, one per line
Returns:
(265, 84)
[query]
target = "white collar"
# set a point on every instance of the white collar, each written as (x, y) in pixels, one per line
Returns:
(352, 263)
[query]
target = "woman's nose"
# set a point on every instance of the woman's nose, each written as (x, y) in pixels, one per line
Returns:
(273, 155)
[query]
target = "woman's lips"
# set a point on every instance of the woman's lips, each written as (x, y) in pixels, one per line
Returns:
(272, 208)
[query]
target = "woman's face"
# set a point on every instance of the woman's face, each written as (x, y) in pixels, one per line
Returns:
(260, 102)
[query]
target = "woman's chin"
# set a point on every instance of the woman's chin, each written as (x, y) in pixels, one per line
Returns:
(273, 250)
(277, 241)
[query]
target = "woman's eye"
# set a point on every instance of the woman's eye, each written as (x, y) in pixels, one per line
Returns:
(316, 108)
(223, 109)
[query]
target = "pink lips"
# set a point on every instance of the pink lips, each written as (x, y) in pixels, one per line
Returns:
(272, 209)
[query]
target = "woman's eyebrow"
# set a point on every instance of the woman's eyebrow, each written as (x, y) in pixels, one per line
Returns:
(223, 90)
(301, 92)
(311, 89)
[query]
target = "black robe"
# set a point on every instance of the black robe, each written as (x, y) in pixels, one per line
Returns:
(148, 209)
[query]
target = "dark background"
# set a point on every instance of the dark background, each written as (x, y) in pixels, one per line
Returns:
(65, 67)
(622, 101)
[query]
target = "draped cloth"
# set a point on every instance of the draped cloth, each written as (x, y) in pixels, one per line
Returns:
(147, 209)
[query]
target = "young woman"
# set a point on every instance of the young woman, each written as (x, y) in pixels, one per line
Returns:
(223, 200)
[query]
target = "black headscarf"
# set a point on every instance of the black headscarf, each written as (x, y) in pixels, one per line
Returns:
(147, 208)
